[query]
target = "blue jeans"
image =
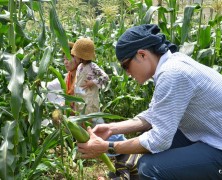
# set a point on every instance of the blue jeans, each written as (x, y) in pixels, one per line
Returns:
(183, 161)
(116, 137)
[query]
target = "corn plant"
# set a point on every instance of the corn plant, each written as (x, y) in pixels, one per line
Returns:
(32, 33)
(24, 64)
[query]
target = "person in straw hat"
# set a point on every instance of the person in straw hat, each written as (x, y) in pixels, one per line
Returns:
(89, 76)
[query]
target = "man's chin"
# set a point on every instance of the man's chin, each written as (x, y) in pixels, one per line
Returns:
(141, 82)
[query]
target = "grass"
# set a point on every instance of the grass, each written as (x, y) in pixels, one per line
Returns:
(91, 169)
(94, 169)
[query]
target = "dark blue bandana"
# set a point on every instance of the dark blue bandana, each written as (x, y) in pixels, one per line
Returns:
(145, 36)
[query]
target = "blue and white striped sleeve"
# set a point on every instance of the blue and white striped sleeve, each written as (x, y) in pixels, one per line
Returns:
(171, 97)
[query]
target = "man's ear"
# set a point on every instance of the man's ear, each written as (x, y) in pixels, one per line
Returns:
(141, 53)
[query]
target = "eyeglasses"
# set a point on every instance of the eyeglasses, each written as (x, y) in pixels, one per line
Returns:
(125, 64)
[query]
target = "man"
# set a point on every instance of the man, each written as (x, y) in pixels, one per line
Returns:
(182, 127)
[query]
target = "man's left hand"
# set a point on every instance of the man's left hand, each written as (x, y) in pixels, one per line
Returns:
(94, 147)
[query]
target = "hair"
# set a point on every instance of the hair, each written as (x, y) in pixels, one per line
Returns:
(152, 50)
(85, 61)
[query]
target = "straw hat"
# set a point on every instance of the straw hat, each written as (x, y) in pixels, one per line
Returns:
(84, 48)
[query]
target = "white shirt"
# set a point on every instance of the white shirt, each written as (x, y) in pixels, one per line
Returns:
(188, 96)
(54, 87)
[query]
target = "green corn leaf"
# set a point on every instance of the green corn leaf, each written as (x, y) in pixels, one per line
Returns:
(50, 141)
(36, 124)
(11, 37)
(19, 30)
(173, 4)
(28, 100)
(60, 78)
(149, 3)
(6, 151)
(59, 32)
(117, 99)
(204, 53)
(83, 118)
(148, 17)
(4, 18)
(4, 2)
(15, 85)
(188, 13)
(164, 28)
(218, 41)
(96, 28)
(80, 164)
(71, 98)
(37, 0)
(204, 36)
(42, 37)
(26, 60)
(44, 63)
(217, 20)
(149, 14)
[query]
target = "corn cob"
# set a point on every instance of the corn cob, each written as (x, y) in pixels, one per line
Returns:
(82, 136)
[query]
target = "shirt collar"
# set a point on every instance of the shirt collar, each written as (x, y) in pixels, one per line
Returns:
(162, 60)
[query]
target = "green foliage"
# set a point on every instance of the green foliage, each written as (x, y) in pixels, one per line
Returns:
(32, 35)
(15, 85)
(6, 151)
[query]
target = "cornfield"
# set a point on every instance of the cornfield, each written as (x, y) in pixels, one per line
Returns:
(33, 35)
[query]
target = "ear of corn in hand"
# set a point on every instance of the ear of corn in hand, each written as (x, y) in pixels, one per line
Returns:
(81, 135)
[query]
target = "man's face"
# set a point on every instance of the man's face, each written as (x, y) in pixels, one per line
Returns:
(142, 66)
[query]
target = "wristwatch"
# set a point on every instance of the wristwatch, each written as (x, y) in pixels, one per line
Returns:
(111, 149)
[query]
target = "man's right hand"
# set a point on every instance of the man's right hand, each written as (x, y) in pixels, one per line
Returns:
(102, 130)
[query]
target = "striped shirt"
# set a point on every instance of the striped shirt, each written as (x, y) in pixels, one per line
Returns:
(187, 96)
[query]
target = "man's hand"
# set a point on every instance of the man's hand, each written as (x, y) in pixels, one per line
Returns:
(102, 130)
(94, 147)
